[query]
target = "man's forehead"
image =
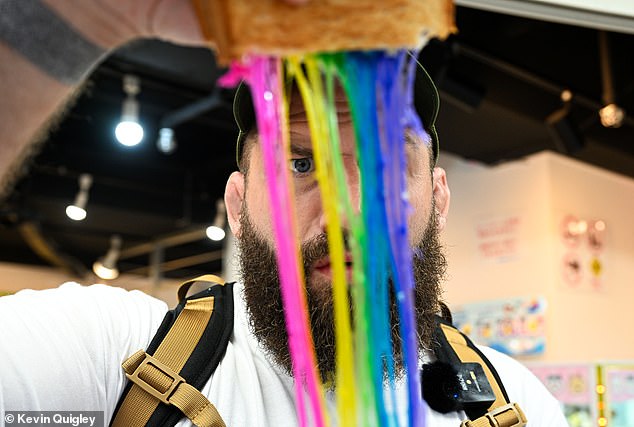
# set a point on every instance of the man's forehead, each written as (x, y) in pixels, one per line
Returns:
(300, 131)
(297, 110)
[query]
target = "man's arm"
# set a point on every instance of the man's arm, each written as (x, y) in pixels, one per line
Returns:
(61, 349)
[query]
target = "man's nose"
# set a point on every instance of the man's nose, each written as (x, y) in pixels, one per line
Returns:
(352, 191)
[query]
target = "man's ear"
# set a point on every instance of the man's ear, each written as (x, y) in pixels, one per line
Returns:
(442, 196)
(234, 198)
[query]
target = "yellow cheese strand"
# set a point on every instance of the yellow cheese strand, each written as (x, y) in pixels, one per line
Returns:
(313, 95)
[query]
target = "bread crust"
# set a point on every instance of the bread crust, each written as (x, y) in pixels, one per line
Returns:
(237, 27)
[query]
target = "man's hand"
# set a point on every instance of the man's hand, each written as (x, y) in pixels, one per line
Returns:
(109, 23)
(176, 20)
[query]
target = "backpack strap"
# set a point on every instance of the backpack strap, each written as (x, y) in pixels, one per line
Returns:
(492, 410)
(166, 378)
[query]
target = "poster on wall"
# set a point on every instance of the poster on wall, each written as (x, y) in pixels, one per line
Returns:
(618, 380)
(573, 385)
(498, 238)
(514, 326)
(583, 249)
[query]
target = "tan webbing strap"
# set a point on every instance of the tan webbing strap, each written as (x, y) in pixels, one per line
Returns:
(509, 415)
(501, 413)
(156, 377)
(196, 407)
(167, 386)
(211, 278)
(467, 355)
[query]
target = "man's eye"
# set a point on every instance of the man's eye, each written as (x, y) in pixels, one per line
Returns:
(304, 165)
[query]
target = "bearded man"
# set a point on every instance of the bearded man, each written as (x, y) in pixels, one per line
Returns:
(62, 349)
(249, 217)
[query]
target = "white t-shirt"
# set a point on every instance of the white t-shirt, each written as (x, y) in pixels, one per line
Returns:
(61, 350)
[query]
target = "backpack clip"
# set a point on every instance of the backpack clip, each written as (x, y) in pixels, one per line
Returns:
(165, 380)
(509, 415)
(141, 368)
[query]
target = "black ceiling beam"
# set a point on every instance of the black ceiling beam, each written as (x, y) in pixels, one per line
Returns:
(531, 78)
(193, 110)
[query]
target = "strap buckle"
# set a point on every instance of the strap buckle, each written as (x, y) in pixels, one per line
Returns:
(518, 421)
(150, 362)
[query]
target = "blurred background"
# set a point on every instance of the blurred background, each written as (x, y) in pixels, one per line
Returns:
(510, 86)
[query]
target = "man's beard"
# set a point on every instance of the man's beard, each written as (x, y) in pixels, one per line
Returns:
(263, 296)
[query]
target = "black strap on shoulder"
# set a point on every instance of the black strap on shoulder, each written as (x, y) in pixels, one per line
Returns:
(197, 367)
(462, 378)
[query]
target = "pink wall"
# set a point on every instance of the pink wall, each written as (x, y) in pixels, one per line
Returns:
(525, 202)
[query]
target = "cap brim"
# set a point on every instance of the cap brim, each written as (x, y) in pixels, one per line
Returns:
(244, 116)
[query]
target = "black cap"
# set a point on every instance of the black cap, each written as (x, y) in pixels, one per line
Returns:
(426, 102)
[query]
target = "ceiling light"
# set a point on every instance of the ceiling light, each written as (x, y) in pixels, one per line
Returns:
(166, 142)
(566, 95)
(77, 211)
(129, 131)
(216, 231)
(611, 116)
(106, 267)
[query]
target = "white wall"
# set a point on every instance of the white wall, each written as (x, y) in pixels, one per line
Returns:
(584, 323)
(596, 322)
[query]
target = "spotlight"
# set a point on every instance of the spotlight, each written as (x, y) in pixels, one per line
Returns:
(77, 211)
(166, 142)
(611, 116)
(568, 139)
(566, 95)
(216, 231)
(129, 132)
(106, 267)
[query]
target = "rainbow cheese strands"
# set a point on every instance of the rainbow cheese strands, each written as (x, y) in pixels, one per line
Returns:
(378, 86)
(322, 119)
(263, 74)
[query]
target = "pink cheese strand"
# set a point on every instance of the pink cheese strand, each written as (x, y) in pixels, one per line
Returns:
(263, 74)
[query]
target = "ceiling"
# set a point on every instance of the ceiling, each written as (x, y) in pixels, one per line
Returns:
(500, 78)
